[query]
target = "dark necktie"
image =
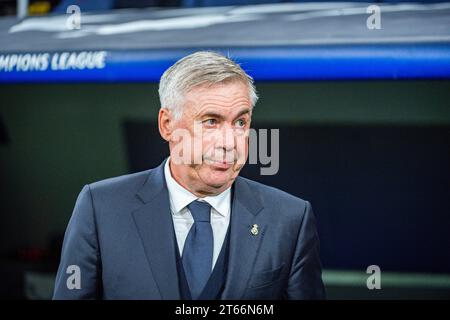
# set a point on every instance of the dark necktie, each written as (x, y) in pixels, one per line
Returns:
(198, 248)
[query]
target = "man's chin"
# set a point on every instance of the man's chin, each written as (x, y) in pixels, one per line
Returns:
(218, 179)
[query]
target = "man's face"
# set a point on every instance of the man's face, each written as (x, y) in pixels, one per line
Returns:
(216, 120)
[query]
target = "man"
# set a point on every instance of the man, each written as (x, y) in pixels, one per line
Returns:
(192, 228)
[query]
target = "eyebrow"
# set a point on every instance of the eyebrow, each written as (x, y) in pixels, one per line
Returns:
(219, 116)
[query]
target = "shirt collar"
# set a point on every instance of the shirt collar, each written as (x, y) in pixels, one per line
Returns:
(180, 197)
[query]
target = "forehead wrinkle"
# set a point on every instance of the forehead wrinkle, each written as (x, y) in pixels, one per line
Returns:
(222, 110)
(222, 99)
(222, 103)
(202, 98)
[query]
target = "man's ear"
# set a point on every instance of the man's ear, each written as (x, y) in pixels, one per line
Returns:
(165, 123)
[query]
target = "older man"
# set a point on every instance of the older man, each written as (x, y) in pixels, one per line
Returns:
(192, 228)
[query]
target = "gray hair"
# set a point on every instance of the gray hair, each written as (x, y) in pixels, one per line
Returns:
(202, 67)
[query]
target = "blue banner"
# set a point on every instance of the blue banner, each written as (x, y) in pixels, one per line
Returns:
(327, 62)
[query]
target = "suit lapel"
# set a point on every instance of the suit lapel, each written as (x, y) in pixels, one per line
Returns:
(155, 227)
(244, 246)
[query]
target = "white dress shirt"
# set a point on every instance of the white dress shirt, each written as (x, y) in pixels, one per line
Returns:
(182, 217)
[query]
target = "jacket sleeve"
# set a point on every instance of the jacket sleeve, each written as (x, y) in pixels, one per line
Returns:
(78, 274)
(305, 278)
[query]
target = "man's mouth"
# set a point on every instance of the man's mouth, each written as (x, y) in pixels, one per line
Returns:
(220, 164)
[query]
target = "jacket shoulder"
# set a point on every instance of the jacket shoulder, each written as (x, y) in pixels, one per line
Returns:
(121, 184)
(271, 196)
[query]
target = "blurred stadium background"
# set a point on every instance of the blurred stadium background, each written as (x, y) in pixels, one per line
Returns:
(364, 119)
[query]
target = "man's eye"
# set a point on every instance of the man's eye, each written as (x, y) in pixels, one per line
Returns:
(240, 123)
(210, 122)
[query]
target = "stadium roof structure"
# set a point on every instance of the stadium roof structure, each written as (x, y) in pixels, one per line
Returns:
(279, 42)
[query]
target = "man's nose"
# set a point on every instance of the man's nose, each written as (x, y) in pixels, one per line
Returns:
(227, 138)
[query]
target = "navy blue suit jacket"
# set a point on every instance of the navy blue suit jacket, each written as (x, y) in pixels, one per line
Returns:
(121, 237)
